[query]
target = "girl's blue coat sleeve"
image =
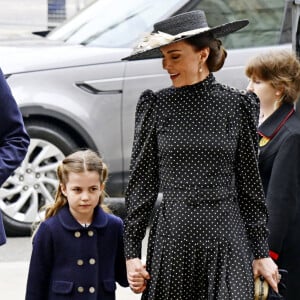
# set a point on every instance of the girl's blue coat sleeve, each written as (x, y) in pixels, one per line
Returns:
(41, 264)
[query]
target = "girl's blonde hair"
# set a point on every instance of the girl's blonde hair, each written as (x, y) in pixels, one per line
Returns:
(281, 69)
(77, 162)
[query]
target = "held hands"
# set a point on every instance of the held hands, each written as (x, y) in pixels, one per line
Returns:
(137, 275)
(268, 269)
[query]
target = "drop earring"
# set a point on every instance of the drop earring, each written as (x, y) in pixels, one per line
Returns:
(200, 68)
(200, 64)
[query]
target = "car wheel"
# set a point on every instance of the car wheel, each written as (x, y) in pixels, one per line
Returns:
(33, 184)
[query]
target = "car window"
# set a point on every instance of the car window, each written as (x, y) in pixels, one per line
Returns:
(122, 23)
(265, 17)
(117, 24)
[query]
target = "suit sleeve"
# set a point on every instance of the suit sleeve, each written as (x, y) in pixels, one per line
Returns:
(143, 186)
(14, 139)
(283, 191)
(38, 280)
(249, 186)
(2, 232)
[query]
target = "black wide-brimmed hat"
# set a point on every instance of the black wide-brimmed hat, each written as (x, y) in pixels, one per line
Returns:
(178, 28)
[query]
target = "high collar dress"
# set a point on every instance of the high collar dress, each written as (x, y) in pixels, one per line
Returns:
(198, 146)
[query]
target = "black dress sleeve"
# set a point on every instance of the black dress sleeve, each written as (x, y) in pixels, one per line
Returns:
(249, 186)
(143, 186)
(120, 265)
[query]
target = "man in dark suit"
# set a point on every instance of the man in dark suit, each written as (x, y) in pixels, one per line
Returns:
(14, 139)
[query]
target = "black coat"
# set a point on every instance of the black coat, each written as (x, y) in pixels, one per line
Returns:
(279, 163)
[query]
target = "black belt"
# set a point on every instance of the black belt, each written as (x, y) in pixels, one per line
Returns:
(195, 196)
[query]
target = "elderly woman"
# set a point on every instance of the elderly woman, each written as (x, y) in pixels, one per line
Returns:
(196, 142)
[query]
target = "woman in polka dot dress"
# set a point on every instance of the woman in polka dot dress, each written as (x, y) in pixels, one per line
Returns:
(196, 143)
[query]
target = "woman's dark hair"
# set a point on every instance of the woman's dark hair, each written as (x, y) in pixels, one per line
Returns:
(217, 55)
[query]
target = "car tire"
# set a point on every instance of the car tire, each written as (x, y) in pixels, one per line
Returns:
(35, 182)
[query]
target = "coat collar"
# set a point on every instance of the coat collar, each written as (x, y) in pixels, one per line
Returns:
(272, 125)
(100, 219)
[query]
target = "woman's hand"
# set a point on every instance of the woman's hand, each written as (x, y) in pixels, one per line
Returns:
(137, 275)
(268, 269)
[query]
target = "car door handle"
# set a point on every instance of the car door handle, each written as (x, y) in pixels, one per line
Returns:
(90, 89)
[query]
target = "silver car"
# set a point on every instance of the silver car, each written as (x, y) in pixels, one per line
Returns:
(75, 91)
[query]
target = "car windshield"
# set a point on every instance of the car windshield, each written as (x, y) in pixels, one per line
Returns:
(120, 23)
(114, 24)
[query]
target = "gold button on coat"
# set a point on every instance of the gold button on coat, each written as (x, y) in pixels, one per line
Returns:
(80, 289)
(90, 233)
(77, 234)
(92, 290)
(92, 261)
(79, 262)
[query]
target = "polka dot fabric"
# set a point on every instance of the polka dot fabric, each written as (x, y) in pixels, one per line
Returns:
(197, 144)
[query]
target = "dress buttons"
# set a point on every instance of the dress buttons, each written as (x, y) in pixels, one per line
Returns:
(92, 290)
(79, 262)
(77, 234)
(80, 289)
(92, 261)
(90, 233)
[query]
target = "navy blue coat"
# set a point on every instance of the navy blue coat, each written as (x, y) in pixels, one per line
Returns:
(279, 164)
(14, 139)
(69, 261)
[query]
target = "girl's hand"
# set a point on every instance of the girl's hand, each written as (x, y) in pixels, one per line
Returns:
(268, 269)
(137, 275)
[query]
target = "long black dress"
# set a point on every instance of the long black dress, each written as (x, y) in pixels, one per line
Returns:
(197, 144)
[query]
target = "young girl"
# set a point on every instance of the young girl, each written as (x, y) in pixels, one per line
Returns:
(78, 250)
